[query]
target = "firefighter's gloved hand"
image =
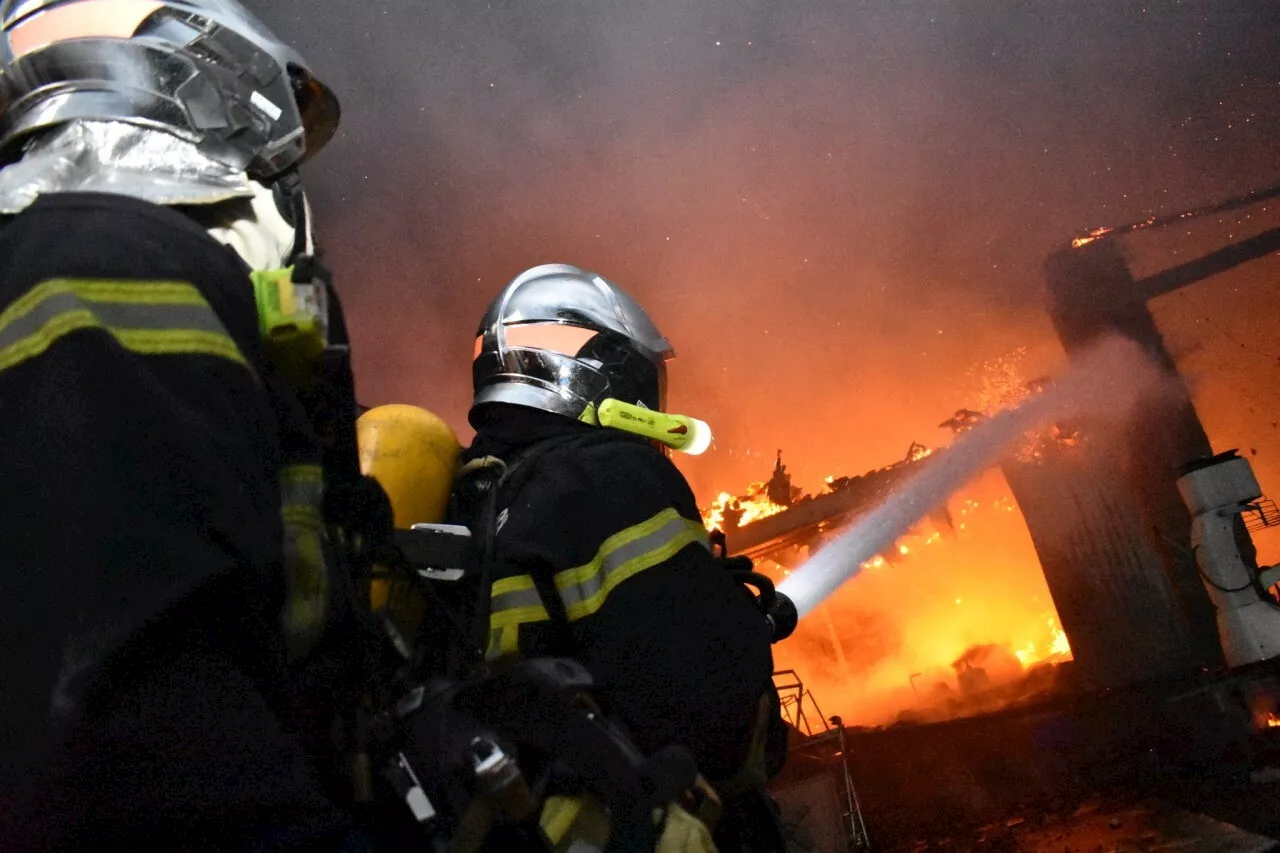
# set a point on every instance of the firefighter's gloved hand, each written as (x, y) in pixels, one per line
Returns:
(778, 610)
(739, 564)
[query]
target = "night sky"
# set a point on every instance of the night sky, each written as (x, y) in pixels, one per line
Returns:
(836, 210)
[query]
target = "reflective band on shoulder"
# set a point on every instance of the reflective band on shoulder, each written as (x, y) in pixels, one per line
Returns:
(625, 555)
(515, 601)
(302, 485)
(149, 318)
(503, 640)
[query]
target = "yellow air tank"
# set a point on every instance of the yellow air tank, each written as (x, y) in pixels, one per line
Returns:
(413, 454)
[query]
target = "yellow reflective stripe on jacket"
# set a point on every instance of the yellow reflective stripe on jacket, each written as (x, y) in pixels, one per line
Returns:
(515, 601)
(624, 555)
(574, 822)
(512, 602)
(306, 574)
(149, 318)
(558, 815)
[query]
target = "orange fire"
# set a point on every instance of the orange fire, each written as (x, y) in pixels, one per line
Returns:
(1002, 384)
(1056, 649)
(728, 511)
(1273, 721)
(885, 643)
(961, 592)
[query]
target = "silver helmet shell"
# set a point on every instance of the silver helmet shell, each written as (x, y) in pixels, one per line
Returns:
(561, 339)
(205, 70)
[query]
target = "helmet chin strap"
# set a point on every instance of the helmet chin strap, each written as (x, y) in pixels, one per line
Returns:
(292, 203)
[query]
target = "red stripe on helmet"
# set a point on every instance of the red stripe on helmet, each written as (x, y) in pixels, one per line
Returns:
(556, 337)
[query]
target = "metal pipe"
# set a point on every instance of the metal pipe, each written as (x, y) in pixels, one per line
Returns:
(857, 826)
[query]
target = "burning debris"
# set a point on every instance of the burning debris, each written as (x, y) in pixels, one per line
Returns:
(761, 500)
(899, 662)
(778, 494)
(950, 619)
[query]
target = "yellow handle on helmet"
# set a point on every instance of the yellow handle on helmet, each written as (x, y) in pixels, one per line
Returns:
(679, 432)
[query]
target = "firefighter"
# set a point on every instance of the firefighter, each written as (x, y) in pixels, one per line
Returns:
(594, 546)
(176, 428)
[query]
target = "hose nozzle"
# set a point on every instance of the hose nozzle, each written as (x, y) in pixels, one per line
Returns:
(782, 617)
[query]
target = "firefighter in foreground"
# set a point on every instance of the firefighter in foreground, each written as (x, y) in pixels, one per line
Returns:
(594, 545)
(176, 439)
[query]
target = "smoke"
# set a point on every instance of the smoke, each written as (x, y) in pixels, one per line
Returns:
(832, 208)
(1102, 386)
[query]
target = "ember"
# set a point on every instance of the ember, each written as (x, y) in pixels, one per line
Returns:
(1089, 238)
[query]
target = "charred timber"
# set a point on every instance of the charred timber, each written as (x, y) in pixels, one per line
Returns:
(809, 517)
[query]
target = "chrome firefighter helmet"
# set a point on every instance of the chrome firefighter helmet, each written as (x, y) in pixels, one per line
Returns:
(205, 70)
(561, 339)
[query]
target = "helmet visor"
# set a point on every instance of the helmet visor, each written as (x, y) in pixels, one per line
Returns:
(579, 364)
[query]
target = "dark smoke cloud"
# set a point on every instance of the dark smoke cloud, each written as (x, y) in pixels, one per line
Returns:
(833, 208)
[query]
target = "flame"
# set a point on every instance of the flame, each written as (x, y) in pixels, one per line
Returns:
(1002, 384)
(1273, 721)
(1001, 381)
(963, 591)
(859, 651)
(728, 511)
(1056, 648)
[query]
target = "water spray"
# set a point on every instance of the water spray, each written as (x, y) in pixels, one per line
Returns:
(1106, 381)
